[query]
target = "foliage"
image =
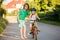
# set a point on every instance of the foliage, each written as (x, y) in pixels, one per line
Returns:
(2, 12)
(43, 5)
(47, 9)
(3, 23)
(3, 20)
(1, 2)
(13, 13)
(1, 30)
(52, 16)
(58, 11)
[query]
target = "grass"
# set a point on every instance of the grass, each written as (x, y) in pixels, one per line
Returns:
(51, 22)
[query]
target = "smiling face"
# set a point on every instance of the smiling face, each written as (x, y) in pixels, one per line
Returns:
(26, 6)
(33, 12)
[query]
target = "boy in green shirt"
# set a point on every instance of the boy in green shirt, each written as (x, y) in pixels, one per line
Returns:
(23, 13)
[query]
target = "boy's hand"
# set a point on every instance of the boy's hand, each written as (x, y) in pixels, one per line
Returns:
(27, 19)
(39, 18)
(18, 21)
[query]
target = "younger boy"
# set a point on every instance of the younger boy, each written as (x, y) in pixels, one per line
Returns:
(33, 16)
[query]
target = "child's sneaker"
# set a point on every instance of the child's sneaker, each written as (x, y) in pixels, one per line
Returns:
(29, 33)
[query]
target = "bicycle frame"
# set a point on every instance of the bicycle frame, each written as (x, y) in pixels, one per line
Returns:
(34, 31)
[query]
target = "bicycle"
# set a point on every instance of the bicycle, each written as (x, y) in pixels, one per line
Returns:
(34, 32)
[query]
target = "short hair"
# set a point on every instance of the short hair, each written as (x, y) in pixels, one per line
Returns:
(26, 4)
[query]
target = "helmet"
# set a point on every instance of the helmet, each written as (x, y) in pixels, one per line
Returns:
(33, 9)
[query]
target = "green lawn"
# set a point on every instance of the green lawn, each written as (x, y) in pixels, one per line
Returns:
(51, 22)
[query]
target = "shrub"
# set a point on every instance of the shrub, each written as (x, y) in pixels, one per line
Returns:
(1, 30)
(51, 16)
(4, 21)
(2, 25)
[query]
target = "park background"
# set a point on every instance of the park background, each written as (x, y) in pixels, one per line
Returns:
(48, 11)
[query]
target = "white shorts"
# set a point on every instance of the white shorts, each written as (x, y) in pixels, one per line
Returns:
(32, 21)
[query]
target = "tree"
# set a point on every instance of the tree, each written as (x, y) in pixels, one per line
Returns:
(2, 11)
(1, 2)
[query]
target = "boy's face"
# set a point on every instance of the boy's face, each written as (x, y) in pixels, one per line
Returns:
(33, 12)
(26, 7)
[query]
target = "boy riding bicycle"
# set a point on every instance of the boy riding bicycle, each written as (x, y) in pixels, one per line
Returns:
(33, 16)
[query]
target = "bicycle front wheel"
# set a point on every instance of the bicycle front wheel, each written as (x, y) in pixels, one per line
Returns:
(35, 35)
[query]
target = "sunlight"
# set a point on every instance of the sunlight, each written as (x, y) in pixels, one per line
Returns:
(6, 1)
(10, 10)
(30, 0)
(18, 5)
(24, 0)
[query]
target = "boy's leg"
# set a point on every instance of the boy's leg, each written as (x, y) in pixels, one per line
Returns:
(35, 24)
(30, 27)
(21, 32)
(37, 27)
(21, 29)
(24, 29)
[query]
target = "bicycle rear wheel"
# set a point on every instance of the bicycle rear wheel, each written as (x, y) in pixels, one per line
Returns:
(35, 35)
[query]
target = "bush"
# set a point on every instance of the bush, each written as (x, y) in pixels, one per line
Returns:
(4, 20)
(42, 16)
(51, 16)
(1, 30)
(3, 23)
(2, 12)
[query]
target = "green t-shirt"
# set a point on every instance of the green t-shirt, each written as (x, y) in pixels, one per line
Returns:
(23, 14)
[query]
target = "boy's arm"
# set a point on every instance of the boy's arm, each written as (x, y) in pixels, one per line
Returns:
(18, 14)
(37, 16)
(27, 18)
(28, 15)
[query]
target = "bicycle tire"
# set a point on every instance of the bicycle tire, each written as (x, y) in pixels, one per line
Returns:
(35, 35)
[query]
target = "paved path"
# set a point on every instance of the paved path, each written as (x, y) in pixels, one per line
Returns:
(48, 32)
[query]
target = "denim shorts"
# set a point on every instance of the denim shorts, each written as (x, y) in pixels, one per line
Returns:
(22, 23)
